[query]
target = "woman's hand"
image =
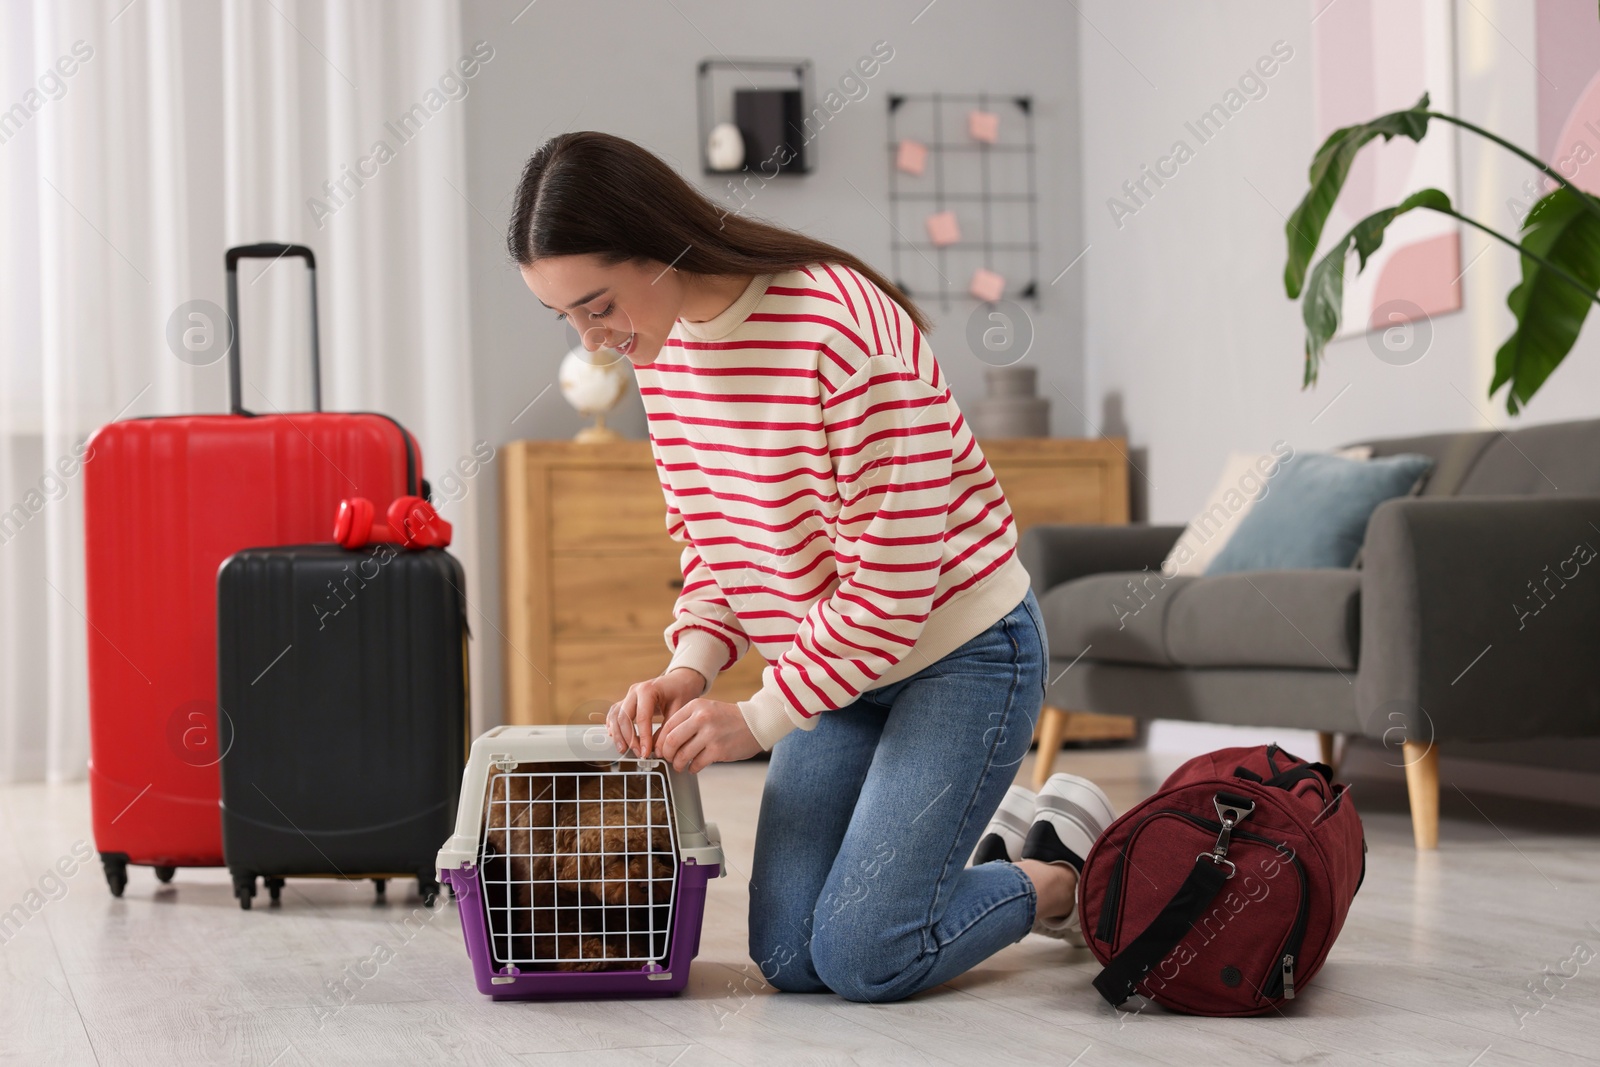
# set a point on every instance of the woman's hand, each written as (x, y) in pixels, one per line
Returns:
(703, 732)
(628, 721)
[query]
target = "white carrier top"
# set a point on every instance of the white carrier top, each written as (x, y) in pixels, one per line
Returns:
(503, 747)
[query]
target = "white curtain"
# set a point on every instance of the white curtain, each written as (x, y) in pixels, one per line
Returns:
(137, 142)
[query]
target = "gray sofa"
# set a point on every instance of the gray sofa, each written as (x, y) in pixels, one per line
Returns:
(1473, 614)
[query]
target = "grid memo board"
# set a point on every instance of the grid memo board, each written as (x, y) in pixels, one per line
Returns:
(991, 188)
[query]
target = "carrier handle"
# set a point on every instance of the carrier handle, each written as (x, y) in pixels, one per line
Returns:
(272, 251)
(690, 817)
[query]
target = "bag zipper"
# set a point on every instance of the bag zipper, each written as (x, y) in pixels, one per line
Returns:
(1106, 927)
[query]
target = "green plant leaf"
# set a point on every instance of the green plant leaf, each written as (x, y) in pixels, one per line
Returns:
(1550, 309)
(1324, 299)
(1329, 168)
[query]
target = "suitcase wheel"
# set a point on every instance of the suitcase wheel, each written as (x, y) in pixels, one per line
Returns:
(380, 888)
(428, 890)
(164, 874)
(274, 889)
(116, 866)
(244, 888)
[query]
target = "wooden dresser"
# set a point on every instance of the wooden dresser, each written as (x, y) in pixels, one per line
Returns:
(591, 575)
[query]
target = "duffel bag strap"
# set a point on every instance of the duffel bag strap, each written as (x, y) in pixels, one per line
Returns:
(1127, 968)
(1211, 869)
(1287, 779)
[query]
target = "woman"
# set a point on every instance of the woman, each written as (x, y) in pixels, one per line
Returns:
(835, 512)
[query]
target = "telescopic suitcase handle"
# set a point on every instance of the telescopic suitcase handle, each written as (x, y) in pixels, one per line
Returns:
(274, 252)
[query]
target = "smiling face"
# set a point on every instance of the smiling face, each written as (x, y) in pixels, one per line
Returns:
(628, 307)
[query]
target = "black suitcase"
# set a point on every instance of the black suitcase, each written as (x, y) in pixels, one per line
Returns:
(343, 693)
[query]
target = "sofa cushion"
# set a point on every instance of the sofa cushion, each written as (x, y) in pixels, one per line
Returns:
(1118, 617)
(1453, 454)
(1244, 480)
(1285, 619)
(1547, 458)
(1316, 515)
(1305, 618)
(1551, 458)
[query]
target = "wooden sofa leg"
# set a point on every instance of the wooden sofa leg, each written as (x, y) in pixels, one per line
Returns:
(1325, 741)
(1052, 728)
(1422, 786)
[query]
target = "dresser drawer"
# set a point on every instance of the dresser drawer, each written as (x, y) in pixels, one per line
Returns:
(1040, 493)
(590, 676)
(614, 595)
(742, 680)
(618, 507)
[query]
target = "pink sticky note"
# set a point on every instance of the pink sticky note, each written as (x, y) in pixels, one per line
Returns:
(912, 157)
(943, 229)
(983, 126)
(987, 285)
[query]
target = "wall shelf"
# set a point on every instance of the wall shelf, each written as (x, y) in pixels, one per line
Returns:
(752, 74)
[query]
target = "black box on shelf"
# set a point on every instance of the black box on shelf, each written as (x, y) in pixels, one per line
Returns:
(768, 119)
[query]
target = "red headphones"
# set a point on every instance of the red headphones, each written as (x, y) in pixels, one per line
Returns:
(412, 522)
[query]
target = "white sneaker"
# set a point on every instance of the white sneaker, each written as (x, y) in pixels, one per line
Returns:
(1002, 839)
(1070, 813)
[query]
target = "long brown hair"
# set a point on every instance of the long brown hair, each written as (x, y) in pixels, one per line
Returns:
(590, 193)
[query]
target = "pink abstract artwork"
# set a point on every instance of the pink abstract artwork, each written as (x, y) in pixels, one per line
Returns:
(1568, 52)
(943, 229)
(1425, 274)
(987, 285)
(1372, 57)
(912, 157)
(984, 126)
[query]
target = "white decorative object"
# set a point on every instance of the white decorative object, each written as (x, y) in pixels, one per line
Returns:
(593, 382)
(725, 147)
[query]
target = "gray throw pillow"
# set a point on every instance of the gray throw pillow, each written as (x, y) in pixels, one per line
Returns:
(1315, 512)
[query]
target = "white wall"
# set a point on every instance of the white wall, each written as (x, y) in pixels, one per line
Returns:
(629, 68)
(1188, 332)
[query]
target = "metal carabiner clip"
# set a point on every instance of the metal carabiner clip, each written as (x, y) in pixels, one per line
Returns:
(1229, 812)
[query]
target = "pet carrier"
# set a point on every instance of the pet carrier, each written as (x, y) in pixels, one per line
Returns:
(577, 873)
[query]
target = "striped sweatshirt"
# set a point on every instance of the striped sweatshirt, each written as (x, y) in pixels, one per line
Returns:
(834, 508)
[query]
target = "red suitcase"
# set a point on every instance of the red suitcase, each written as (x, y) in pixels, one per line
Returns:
(166, 500)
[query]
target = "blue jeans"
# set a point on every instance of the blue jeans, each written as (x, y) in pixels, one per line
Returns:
(860, 883)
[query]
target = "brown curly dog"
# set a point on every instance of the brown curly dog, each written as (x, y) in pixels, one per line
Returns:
(585, 858)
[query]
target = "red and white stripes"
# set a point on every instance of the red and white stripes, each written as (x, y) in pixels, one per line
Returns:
(834, 508)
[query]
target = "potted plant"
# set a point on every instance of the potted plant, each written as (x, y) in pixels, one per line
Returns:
(1559, 244)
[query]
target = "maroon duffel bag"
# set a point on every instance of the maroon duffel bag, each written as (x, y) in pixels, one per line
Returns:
(1223, 892)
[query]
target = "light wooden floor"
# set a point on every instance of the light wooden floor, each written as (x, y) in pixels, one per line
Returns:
(1438, 951)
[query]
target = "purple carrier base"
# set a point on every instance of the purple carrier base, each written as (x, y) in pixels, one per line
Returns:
(651, 980)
